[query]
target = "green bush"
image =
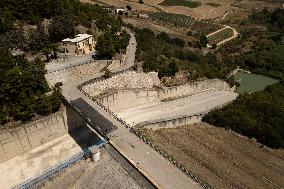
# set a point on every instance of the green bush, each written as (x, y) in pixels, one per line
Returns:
(259, 115)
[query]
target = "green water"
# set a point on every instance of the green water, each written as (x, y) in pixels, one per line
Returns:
(252, 82)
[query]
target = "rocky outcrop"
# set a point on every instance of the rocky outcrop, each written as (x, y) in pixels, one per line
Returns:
(129, 80)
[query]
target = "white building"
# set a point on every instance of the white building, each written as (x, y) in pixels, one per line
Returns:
(80, 45)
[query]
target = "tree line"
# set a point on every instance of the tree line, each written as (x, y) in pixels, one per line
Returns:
(23, 89)
(259, 115)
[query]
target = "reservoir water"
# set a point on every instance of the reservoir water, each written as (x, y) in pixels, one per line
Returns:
(252, 82)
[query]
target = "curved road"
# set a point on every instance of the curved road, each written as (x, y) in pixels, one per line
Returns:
(156, 168)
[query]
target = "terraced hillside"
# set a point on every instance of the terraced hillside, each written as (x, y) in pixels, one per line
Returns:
(221, 158)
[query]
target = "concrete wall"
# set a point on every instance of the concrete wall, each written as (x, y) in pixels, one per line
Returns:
(122, 99)
(14, 141)
(187, 89)
(170, 123)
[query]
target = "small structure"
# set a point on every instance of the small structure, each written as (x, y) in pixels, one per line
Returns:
(120, 11)
(80, 45)
(144, 16)
(17, 53)
(95, 154)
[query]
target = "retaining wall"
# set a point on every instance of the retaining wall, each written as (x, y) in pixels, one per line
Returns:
(14, 141)
(122, 99)
(170, 123)
(126, 98)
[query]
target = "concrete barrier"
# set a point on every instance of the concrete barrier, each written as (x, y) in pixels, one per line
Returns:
(14, 141)
(170, 122)
(118, 100)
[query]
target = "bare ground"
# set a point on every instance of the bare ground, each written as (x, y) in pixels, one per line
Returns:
(221, 158)
(156, 28)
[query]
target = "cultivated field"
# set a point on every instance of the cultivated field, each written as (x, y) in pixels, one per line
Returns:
(157, 28)
(221, 158)
(182, 21)
(184, 3)
(220, 36)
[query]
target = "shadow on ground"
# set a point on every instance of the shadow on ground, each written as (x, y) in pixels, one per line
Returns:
(96, 118)
(78, 129)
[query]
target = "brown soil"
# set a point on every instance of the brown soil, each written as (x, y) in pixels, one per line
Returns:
(156, 28)
(221, 158)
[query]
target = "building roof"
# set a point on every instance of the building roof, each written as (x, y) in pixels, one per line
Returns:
(78, 38)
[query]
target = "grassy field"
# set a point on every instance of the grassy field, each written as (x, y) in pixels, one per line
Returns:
(220, 36)
(184, 3)
(221, 158)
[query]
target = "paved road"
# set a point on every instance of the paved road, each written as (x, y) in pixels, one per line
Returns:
(189, 106)
(71, 61)
(161, 172)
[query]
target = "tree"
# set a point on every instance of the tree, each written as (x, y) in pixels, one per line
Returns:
(189, 33)
(12, 40)
(38, 39)
(43, 105)
(55, 99)
(203, 40)
(128, 7)
(179, 42)
(103, 22)
(105, 46)
(62, 27)
(164, 37)
(173, 68)
(47, 51)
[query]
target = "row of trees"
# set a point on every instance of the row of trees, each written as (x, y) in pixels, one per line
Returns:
(23, 89)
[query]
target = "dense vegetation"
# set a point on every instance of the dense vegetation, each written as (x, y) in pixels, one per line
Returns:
(259, 115)
(167, 56)
(64, 15)
(23, 89)
(260, 50)
(111, 42)
(24, 93)
(34, 11)
(185, 3)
